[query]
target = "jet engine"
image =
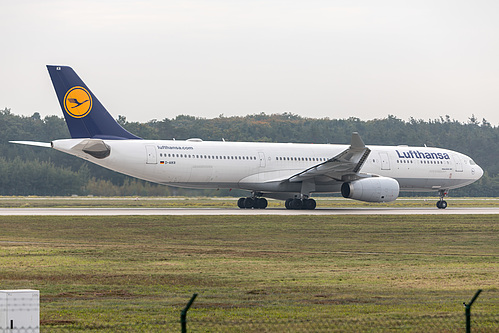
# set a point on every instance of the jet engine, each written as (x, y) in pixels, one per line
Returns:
(373, 189)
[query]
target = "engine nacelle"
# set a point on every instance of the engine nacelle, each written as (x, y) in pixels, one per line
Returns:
(373, 189)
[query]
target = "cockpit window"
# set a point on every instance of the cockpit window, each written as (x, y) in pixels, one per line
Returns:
(472, 162)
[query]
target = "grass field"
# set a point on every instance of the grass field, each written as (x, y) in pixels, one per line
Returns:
(204, 202)
(254, 273)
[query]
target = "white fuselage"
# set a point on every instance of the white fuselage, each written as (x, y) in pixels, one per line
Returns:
(265, 167)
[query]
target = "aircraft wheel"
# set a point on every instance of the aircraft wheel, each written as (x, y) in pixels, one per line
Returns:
(296, 204)
(309, 204)
(240, 203)
(287, 203)
(261, 203)
(441, 204)
(249, 202)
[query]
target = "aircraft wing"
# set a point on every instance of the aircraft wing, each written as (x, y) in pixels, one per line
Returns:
(344, 166)
(33, 143)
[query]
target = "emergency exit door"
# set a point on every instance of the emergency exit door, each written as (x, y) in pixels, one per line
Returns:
(261, 156)
(385, 162)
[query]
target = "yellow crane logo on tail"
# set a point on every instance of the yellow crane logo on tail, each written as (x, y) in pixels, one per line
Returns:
(78, 102)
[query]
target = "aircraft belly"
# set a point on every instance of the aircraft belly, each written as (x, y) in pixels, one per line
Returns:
(430, 184)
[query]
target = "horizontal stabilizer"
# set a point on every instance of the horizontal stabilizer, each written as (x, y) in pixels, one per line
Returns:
(33, 143)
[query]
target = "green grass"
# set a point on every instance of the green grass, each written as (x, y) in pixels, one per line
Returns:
(136, 273)
(205, 202)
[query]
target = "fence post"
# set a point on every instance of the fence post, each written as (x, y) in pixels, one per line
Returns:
(183, 314)
(468, 311)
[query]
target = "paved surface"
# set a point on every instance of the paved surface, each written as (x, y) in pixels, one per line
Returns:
(237, 211)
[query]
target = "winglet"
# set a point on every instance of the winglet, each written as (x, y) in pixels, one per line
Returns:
(357, 142)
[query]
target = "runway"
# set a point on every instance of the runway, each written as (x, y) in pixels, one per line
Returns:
(236, 211)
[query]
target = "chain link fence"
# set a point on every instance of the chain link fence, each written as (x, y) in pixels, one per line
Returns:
(202, 321)
(439, 323)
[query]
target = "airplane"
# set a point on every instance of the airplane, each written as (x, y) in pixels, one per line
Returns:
(287, 171)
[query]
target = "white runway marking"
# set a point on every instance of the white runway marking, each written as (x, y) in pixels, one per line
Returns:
(236, 211)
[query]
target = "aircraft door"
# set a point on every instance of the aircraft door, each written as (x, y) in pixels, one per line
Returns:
(459, 163)
(151, 154)
(385, 162)
(261, 156)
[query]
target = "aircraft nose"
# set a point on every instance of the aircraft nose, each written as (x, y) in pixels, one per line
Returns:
(477, 172)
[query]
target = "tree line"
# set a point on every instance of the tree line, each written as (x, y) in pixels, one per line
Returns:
(37, 171)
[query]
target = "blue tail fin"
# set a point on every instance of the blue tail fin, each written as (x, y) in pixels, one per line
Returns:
(85, 116)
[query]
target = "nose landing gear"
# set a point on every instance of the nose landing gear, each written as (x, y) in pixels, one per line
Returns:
(442, 204)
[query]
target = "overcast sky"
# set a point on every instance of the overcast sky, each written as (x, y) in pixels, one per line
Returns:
(157, 59)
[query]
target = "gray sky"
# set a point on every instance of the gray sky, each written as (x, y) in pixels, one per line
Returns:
(157, 59)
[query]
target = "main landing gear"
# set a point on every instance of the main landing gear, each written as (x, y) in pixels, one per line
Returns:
(295, 203)
(252, 202)
(442, 204)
